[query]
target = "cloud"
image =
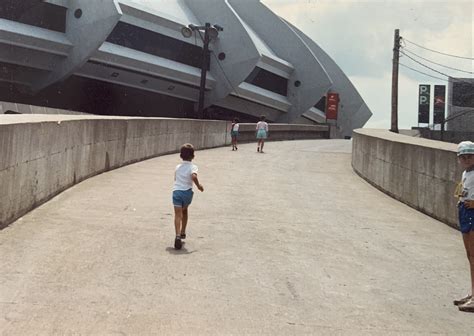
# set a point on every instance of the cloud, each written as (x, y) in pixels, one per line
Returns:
(377, 93)
(358, 35)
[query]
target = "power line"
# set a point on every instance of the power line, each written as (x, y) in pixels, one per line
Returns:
(445, 80)
(460, 113)
(439, 52)
(441, 73)
(423, 73)
(411, 52)
(452, 116)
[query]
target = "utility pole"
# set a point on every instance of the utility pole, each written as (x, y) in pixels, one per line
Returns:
(396, 55)
(205, 62)
(443, 122)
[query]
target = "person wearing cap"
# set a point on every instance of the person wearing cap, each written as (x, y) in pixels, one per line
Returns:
(465, 192)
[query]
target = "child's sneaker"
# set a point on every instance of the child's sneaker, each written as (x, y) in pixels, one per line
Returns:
(462, 301)
(183, 235)
(467, 307)
(177, 243)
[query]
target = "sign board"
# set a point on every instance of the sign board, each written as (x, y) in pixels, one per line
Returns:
(439, 105)
(424, 104)
(332, 105)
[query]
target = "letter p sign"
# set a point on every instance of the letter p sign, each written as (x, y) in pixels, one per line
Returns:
(424, 89)
(424, 104)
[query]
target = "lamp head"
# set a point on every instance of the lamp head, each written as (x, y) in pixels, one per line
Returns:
(186, 32)
(213, 33)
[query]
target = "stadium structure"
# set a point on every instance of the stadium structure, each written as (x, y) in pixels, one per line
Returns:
(145, 58)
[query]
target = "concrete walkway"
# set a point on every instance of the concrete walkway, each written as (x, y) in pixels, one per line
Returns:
(288, 242)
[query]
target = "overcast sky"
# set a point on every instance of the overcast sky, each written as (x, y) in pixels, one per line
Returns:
(358, 35)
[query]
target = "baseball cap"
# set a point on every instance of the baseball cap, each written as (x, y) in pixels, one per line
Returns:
(465, 147)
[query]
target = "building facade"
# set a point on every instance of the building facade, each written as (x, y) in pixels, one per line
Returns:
(460, 105)
(130, 57)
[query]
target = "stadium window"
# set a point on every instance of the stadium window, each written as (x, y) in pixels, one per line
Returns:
(34, 13)
(149, 42)
(321, 104)
(268, 81)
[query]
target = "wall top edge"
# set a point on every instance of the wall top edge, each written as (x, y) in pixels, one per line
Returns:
(406, 139)
(7, 119)
(286, 127)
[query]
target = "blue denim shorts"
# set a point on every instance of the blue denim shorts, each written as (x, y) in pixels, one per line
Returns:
(466, 218)
(261, 134)
(182, 198)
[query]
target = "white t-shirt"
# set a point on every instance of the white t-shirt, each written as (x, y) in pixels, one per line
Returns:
(235, 127)
(262, 125)
(467, 186)
(183, 175)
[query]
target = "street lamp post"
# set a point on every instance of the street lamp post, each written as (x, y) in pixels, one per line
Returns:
(204, 64)
(210, 32)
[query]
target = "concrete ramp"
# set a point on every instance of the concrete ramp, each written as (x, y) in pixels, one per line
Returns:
(288, 242)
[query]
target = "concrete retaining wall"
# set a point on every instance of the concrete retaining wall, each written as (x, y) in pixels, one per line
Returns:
(284, 132)
(42, 155)
(448, 136)
(419, 172)
(16, 108)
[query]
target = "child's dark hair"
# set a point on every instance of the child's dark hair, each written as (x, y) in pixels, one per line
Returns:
(236, 120)
(262, 118)
(187, 152)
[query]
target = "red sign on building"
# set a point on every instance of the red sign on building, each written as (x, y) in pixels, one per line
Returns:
(332, 105)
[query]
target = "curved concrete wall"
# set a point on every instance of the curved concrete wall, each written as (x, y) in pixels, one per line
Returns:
(42, 155)
(16, 108)
(419, 172)
(284, 132)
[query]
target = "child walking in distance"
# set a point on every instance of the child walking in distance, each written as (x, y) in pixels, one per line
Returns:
(234, 133)
(262, 133)
(465, 193)
(184, 176)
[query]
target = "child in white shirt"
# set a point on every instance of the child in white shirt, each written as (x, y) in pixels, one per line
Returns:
(184, 176)
(262, 133)
(234, 133)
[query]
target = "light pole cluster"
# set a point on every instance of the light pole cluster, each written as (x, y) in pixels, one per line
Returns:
(210, 32)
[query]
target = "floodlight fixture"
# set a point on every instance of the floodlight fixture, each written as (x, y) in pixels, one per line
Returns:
(186, 32)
